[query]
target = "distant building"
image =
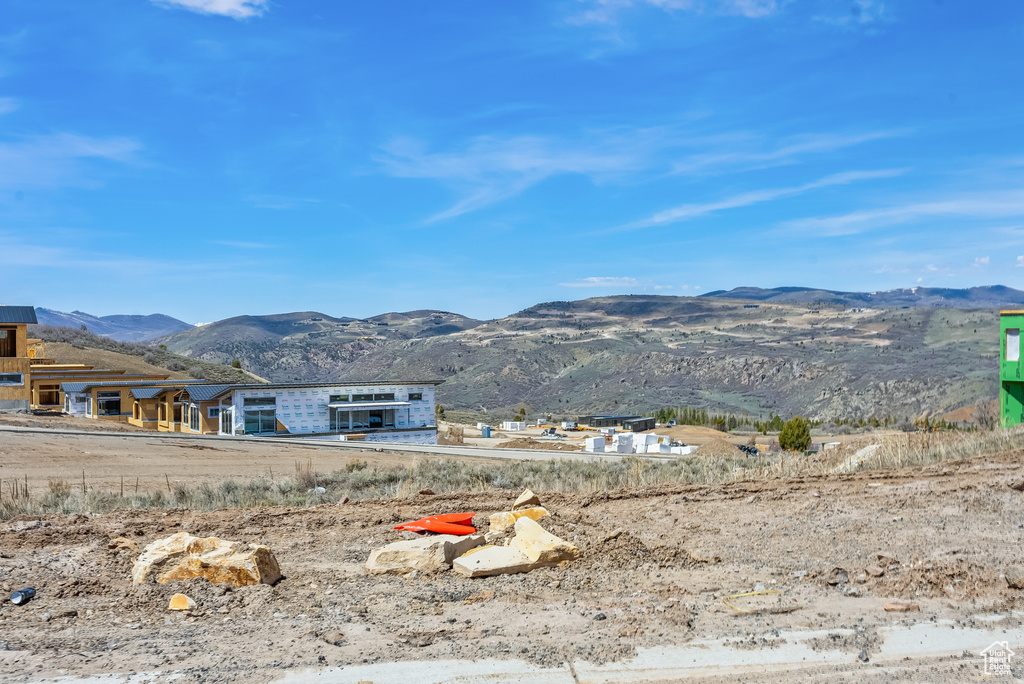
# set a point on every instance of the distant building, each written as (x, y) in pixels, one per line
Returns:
(604, 421)
(127, 401)
(368, 411)
(15, 361)
(1011, 384)
(639, 424)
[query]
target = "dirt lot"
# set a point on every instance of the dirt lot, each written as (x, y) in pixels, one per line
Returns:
(105, 459)
(655, 565)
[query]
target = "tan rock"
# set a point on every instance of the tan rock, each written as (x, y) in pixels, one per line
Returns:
(217, 560)
(526, 500)
(506, 519)
(874, 571)
(424, 554)
(181, 602)
(494, 560)
(159, 554)
(221, 561)
(538, 544)
(122, 544)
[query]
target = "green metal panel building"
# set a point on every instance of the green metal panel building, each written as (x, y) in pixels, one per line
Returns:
(1011, 365)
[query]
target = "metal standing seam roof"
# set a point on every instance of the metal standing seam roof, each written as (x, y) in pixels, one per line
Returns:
(82, 386)
(206, 392)
(152, 392)
(312, 385)
(17, 314)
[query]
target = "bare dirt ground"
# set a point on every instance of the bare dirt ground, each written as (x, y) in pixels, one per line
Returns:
(654, 568)
(105, 459)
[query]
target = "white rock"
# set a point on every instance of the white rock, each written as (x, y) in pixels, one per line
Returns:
(493, 560)
(431, 553)
(538, 544)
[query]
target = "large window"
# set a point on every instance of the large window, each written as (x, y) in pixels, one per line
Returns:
(415, 396)
(342, 419)
(12, 379)
(213, 411)
(384, 397)
(259, 401)
(260, 421)
(109, 403)
(225, 422)
(193, 418)
(362, 397)
(1013, 344)
(339, 398)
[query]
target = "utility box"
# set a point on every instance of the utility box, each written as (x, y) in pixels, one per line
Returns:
(1011, 382)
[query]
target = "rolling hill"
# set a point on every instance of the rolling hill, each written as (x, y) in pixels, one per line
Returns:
(637, 352)
(124, 328)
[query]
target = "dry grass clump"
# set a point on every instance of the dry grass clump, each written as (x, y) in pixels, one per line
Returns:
(357, 480)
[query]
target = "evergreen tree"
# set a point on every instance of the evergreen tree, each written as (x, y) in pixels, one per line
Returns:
(795, 434)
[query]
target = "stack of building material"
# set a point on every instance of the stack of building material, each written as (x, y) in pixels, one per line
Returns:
(622, 443)
(594, 445)
(513, 425)
(682, 450)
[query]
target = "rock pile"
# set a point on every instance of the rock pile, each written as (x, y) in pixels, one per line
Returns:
(531, 547)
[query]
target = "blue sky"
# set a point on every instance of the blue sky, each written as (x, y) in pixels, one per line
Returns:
(209, 158)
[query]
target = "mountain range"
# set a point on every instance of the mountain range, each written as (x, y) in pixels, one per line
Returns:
(819, 353)
(124, 328)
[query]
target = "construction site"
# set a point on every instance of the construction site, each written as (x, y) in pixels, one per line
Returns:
(609, 548)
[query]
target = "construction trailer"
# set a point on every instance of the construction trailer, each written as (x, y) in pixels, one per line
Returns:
(1011, 384)
(604, 421)
(639, 424)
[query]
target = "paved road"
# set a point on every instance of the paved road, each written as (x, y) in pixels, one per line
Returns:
(438, 450)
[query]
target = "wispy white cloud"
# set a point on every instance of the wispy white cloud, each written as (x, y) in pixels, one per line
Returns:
(601, 281)
(687, 212)
(789, 151)
(237, 9)
(981, 261)
(59, 159)
(609, 11)
(1020, 262)
(980, 205)
(492, 169)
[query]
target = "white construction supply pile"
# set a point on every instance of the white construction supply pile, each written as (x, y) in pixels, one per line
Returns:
(635, 443)
(513, 425)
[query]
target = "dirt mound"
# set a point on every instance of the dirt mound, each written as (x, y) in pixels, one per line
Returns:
(530, 443)
(717, 447)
